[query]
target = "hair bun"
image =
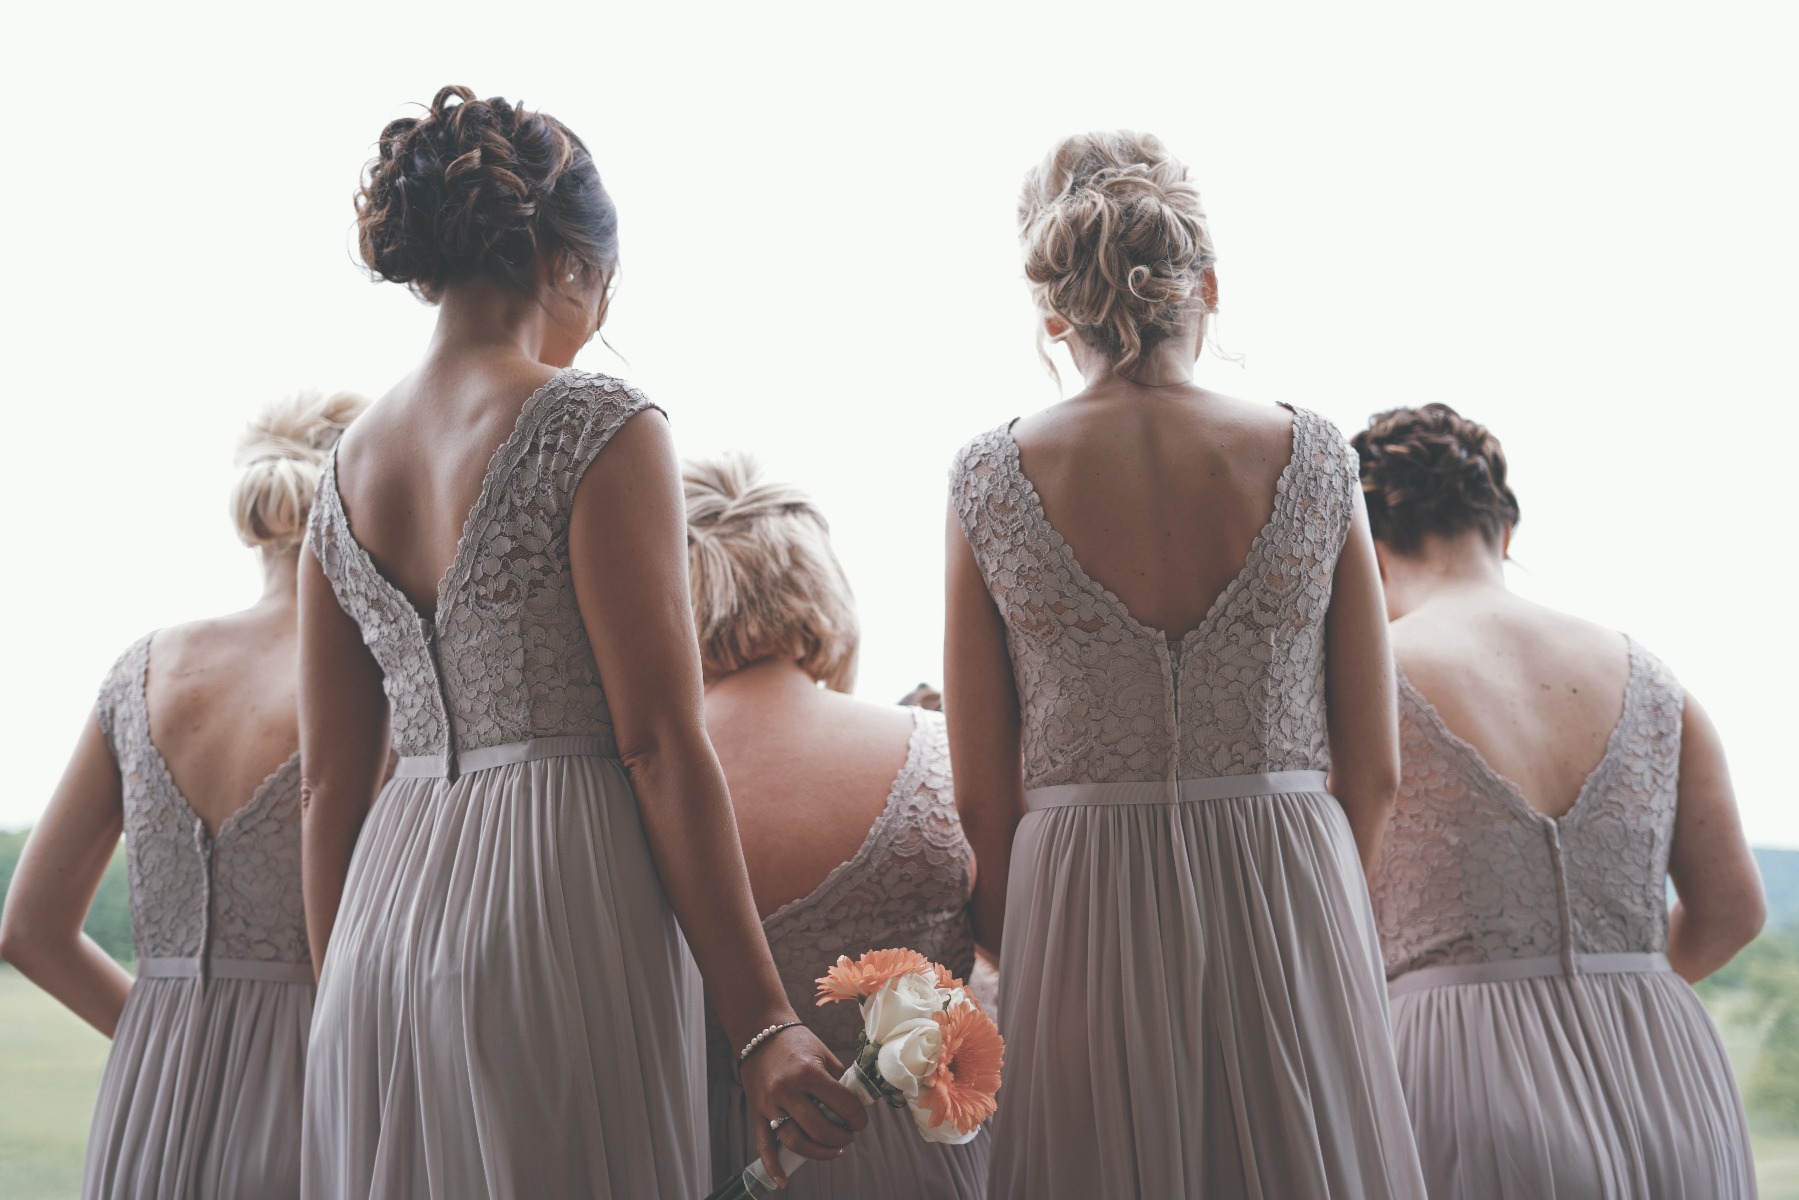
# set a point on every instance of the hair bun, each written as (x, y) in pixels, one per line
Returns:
(479, 187)
(1115, 239)
(282, 453)
(764, 580)
(1431, 470)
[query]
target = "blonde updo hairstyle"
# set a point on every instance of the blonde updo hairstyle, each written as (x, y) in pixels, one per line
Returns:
(282, 453)
(1115, 240)
(764, 579)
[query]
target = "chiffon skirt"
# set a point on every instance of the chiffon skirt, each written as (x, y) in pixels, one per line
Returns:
(887, 1161)
(508, 1009)
(200, 1099)
(1583, 1088)
(1193, 1002)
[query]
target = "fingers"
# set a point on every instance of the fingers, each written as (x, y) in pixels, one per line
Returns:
(840, 1100)
(828, 1144)
(766, 1150)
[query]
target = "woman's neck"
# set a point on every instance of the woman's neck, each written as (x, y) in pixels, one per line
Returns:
(1441, 568)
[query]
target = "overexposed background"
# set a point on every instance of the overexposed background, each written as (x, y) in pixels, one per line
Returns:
(1575, 222)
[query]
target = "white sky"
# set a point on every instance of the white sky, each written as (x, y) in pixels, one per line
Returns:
(1575, 222)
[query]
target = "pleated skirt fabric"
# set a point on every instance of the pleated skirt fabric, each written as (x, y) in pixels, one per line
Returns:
(200, 1099)
(1194, 1006)
(1596, 1087)
(508, 1010)
(887, 1161)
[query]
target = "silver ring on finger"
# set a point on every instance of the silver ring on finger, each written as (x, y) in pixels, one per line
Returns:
(774, 1125)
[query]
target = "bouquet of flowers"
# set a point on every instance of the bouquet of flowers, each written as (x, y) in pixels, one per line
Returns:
(926, 1046)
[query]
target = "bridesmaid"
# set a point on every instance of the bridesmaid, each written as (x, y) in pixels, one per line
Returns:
(882, 861)
(1556, 775)
(1165, 627)
(190, 753)
(496, 577)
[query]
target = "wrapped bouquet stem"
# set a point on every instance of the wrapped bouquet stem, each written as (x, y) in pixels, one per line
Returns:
(926, 1047)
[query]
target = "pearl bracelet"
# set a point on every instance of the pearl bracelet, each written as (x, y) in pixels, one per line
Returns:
(750, 1046)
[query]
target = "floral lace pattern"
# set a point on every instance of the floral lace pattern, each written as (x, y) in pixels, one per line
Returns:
(1470, 873)
(506, 649)
(908, 885)
(1106, 699)
(237, 893)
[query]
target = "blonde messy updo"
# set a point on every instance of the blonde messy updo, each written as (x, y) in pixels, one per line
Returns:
(765, 581)
(283, 452)
(1115, 240)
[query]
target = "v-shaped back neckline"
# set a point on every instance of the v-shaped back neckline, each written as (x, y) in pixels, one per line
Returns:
(1282, 494)
(1510, 790)
(914, 753)
(499, 467)
(258, 796)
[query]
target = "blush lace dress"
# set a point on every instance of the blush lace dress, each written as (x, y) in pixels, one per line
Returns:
(508, 1008)
(908, 885)
(1545, 1046)
(1190, 981)
(201, 1095)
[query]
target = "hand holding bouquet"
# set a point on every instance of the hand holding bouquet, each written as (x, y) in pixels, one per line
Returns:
(926, 1046)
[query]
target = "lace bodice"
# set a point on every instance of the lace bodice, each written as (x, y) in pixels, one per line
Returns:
(507, 656)
(907, 886)
(235, 894)
(1106, 699)
(1470, 873)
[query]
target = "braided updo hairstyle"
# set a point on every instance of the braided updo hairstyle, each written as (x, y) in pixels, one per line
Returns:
(764, 580)
(282, 453)
(481, 187)
(1115, 240)
(1431, 470)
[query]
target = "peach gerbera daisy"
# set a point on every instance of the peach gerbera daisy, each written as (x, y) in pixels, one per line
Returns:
(864, 977)
(961, 1090)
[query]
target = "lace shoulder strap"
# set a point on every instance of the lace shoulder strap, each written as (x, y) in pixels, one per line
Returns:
(1656, 717)
(1327, 479)
(120, 706)
(987, 498)
(576, 425)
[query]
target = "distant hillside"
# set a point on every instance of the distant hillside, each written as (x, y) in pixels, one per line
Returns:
(1780, 876)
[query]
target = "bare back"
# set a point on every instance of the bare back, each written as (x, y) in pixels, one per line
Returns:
(221, 695)
(1536, 692)
(1158, 493)
(810, 771)
(414, 465)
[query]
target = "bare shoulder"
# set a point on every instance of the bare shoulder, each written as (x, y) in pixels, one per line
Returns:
(1449, 646)
(1192, 419)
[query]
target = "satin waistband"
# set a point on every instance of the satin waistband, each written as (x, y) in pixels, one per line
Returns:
(224, 968)
(1173, 791)
(436, 766)
(1548, 966)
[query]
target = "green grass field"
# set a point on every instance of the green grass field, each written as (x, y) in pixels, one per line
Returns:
(50, 1064)
(50, 1070)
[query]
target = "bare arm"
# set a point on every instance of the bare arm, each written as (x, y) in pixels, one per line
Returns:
(343, 748)
(55, 884)
(627, 550)
(981, 711)
(1360, 693)
(1720, 907)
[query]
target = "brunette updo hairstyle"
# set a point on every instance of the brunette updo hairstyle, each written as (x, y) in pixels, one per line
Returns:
(1115, 240)
(282, 453)
(1431, 470)
(481, 187)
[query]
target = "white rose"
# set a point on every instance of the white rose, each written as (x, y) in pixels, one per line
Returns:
(954, 998)
(946, 1133)
(905, 999)
(909, 1055)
